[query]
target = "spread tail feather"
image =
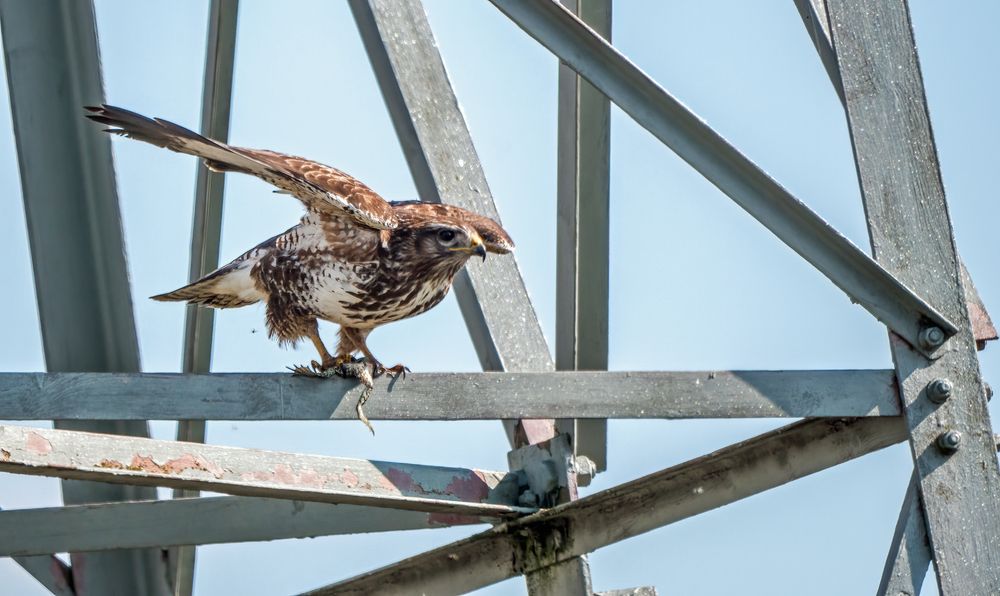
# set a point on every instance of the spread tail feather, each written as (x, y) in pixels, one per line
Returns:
(228, 287)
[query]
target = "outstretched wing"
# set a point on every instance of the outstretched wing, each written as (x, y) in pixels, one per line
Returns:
(321, 188)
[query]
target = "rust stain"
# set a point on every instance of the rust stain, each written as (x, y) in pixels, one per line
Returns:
(349, 478)
(403, 481)
(468, 488)
(36, 443)
(114, 464)
(5, 455)
(451, 519)
(173, 467)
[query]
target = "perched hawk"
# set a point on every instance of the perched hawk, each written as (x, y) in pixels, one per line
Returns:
(354, 259)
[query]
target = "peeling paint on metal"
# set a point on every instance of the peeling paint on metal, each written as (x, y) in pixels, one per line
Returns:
(36, 443)
(173, 467)
(349, 478)
(5, 455)
(468, 488)
(403, 481)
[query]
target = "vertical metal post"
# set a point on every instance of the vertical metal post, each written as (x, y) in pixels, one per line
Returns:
(951, 437)
(445, 169)
(582, 229)
(217, 93)
(77, 245)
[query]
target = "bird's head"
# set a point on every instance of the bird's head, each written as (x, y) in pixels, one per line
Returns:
(450, 235)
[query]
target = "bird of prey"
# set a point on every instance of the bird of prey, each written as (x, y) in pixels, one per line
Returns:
(354, 259)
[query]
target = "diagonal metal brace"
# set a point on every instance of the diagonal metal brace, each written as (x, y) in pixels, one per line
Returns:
(851, 269)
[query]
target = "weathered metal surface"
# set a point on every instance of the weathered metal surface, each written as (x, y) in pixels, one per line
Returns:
(75, 234)
(550, 474)
(805, 232)
(256, 473)
(911, 235)
(815, 18)
(52, 573)
(207, 520)
(206, 231)
(446, 169)
(583, 179)
(452, 396)
(641, 591)
(633, 508)
(910, 553)
(983, 329)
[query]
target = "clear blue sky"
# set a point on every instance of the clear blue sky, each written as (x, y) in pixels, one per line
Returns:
(696, 283)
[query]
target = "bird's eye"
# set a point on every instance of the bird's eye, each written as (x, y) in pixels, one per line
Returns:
(446, 235)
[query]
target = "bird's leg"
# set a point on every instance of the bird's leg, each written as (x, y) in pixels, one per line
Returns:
(358, 337)
(328, 366)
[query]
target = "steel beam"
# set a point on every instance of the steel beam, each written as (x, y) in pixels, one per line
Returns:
(75, 233)
(52, 573)
(865, 281)
(911, 234)
(815, 18)
(910, 553)
(256, 473)
(446, 169)
(45, 567)
(633, 508)
(207, 520)
(452, 396)
(583, 180)
(216, 100)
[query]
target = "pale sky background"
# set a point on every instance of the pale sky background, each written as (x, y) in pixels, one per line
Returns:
(696, 283)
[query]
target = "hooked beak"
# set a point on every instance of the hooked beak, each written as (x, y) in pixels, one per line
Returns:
(476, 247)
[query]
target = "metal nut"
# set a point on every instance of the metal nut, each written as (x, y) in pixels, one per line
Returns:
(939, 390)
(949, 442)
(930, 337)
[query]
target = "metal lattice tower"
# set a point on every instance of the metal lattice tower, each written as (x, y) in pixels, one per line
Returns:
(914, 283)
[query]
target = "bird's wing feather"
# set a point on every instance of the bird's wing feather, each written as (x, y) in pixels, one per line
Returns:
(321, 188)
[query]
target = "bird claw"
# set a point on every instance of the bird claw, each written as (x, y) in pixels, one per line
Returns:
(354, 369)
(378, 369)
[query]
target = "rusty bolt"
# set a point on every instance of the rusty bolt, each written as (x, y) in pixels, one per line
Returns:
(930, 337)
(949, 442)
(939, 390)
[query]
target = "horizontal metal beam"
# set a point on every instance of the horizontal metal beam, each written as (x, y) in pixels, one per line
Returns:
(448, 396)
(257, 473)
(633, 508)
(208, 520)
(445, 168)
(805, 232)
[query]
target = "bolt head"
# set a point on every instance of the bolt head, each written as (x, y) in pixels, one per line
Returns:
(949, 442)
(939, 390)
(930, 337)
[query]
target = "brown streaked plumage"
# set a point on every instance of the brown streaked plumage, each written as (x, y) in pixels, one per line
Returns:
(354, 259)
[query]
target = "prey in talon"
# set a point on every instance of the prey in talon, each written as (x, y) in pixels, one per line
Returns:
(354, 259)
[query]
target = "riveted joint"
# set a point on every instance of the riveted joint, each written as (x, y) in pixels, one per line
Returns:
(949, 442)
(931, 338)
(939, 390)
